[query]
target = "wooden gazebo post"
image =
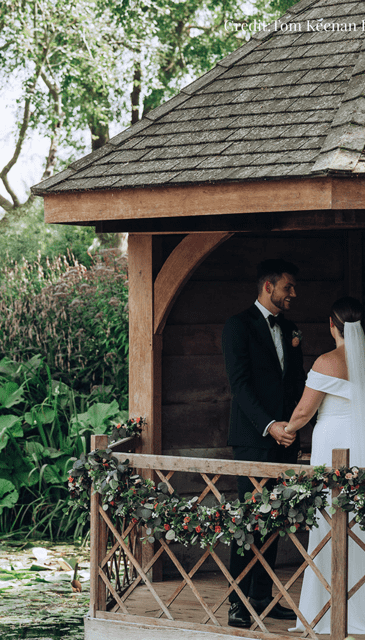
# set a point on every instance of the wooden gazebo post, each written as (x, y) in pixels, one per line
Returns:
(339, 567)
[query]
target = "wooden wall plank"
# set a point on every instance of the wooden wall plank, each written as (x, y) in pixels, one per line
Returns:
(190, 379)
(354, 269)
(206, 339)
(192, 339)
(195, 424)
(177, 269)
(236, 259)
(215, 302)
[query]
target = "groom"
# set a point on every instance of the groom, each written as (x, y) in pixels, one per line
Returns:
(264, 365)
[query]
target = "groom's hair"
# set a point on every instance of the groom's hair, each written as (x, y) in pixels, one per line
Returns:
(272, 270)
(345, 309)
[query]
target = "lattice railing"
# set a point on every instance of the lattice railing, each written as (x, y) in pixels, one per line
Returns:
(119, 565)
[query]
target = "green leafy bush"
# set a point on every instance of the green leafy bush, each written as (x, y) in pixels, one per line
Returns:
(44, 426)
(25, 235)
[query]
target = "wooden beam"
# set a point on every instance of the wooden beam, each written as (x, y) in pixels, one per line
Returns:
(216, 466)
(99, 539)
(177, 269)
(145, 352)
(348, 193)
(339, 554)
(113, 626)
(290, 194)
(140, 332)
(263, 223)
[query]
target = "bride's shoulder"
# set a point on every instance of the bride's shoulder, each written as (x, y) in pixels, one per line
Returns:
(332, 364)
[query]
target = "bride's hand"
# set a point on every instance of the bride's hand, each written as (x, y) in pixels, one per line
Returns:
(277, 431)
(289, 430)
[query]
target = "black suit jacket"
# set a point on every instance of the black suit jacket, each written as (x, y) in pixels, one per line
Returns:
(261, 390)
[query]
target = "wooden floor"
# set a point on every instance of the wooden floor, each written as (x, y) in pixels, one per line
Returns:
(187, 608)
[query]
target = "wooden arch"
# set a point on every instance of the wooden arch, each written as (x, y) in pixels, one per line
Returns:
(177, 270)
(149, 306)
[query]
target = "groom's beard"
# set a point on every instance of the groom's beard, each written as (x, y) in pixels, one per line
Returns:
(280, 303)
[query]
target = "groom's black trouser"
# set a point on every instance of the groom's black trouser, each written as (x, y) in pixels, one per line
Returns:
(257, 583)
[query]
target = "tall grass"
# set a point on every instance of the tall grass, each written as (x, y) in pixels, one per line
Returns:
(76, 318)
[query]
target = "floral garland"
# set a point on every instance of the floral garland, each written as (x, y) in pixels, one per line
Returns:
(132, 427)
(291, 505)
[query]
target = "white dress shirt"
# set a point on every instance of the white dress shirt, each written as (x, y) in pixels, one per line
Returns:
(277, 337)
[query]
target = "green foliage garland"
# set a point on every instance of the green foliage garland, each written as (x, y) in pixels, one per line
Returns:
(291, 505)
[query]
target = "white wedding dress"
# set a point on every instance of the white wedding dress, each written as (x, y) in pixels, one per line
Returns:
(332, 432)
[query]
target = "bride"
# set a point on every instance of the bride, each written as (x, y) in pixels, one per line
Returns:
(336, 388)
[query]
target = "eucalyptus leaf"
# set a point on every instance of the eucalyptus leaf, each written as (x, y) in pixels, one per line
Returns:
(265, 508)
(276, 504)
(162, 486)
(145, 513)
(289, 493)
(170, 535)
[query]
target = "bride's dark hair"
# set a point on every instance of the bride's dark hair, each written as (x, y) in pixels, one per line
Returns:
(345, 310)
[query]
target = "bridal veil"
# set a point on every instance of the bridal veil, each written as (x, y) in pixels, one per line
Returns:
(355, 357)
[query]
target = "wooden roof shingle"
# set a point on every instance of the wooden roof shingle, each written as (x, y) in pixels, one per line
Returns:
(283, 104)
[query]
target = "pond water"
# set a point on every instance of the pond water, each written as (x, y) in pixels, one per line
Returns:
(50, 632)
(36, 595)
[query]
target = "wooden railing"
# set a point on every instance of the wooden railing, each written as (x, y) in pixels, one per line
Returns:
(118, 566)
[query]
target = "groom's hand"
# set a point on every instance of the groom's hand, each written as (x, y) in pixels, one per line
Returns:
(277, 432)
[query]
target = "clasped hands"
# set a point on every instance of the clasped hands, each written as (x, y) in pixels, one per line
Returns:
(277, 431)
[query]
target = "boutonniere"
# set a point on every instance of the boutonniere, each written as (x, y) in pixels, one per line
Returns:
(296, 337)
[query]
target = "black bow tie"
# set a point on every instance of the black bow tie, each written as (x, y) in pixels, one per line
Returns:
(273, 320)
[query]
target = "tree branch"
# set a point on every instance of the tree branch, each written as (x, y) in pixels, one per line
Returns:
(21, 137)
(6, 204)
(55, 92)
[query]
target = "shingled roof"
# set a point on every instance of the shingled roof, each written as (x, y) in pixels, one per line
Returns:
(290, 102)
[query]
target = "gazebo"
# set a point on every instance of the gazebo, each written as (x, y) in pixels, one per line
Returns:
(261, 156)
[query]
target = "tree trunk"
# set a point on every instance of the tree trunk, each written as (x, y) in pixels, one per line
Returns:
(99, 134)
(136, 91)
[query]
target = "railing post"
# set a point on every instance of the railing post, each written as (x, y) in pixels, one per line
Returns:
(339, 566)
(98, 542)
